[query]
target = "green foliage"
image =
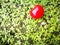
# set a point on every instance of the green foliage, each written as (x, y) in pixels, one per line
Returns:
(18, 28)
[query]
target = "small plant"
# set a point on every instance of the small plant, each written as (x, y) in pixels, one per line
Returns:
(18, 28)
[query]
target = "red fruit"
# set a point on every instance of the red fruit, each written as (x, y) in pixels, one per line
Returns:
(37, 12)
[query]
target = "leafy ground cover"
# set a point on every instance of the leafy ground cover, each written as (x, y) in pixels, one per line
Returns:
(18, 28)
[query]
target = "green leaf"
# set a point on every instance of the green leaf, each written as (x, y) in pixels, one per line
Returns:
(43, 2)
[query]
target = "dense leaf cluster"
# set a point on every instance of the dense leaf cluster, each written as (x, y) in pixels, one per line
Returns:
(18, 28)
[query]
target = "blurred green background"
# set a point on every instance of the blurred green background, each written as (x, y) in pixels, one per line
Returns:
(18, 28)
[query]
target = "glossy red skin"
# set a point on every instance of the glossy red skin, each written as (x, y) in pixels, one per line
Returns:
(37, 12)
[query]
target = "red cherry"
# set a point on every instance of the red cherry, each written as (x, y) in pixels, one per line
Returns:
(37, 12)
